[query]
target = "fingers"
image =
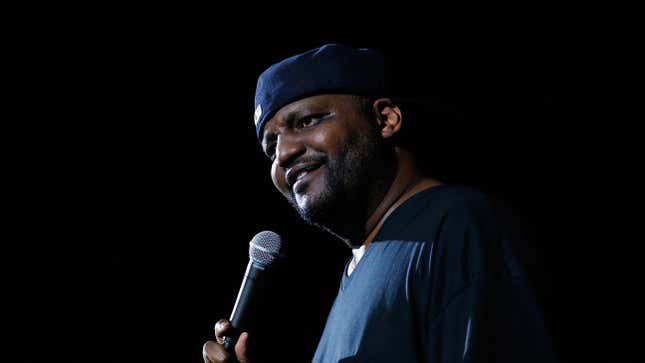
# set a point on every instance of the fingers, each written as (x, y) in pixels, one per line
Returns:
(221, 328)
(214, 353)
(241, 348)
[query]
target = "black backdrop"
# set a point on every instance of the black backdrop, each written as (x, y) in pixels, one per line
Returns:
(142, 184)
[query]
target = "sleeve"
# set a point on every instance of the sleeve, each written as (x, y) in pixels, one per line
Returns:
(490, 321)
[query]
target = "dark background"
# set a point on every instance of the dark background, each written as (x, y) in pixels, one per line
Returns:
(139, 181)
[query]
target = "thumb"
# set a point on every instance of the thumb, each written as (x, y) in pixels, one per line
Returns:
(241, 348)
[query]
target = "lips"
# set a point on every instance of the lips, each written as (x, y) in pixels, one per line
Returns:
(299, 172)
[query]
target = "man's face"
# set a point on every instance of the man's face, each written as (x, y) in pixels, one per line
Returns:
(323, 149)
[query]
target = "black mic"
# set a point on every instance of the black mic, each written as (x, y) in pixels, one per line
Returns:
(264, 250)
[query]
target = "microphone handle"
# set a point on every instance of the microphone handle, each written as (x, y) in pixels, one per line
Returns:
(247, 303)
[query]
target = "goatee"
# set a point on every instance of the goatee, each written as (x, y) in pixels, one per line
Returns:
(340, 208)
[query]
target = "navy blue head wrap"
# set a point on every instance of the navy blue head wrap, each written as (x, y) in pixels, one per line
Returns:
(331, 68)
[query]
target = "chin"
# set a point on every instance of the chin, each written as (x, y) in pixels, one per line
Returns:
(328, 214)
(344, 226)
(310, 210)
(314, 209)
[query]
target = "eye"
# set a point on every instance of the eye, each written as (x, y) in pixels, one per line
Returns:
(309, 121)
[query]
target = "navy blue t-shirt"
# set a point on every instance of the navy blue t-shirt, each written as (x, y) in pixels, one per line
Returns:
(443, 281)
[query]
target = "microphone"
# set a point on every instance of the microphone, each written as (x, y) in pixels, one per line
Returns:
(264, 250)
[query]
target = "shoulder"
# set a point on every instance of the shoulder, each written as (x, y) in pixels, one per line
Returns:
(469, 208)
(455, 206)
(466, 227)
(443, 209)
(456, 199)
(480, 234)
(457, 223)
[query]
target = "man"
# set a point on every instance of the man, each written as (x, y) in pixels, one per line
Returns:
(438, 272)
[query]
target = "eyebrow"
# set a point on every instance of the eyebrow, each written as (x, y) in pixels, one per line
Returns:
(298, 112)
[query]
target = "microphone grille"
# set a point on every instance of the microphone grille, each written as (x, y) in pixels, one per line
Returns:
(265, 247)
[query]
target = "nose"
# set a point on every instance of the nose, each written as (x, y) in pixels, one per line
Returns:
(288, 148)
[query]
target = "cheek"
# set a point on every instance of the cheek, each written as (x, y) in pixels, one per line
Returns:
(277, 176)
(330, 139)
(321, 138)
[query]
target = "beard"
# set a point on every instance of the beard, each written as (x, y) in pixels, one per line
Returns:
(352, 178)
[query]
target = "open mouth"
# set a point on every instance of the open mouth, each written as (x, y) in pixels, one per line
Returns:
(303, 176)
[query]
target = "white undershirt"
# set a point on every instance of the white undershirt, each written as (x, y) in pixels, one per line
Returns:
(358, 254)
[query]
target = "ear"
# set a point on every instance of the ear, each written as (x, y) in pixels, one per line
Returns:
(389, 117)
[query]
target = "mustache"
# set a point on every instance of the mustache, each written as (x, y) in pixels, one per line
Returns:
(319, 159)
(308, 159)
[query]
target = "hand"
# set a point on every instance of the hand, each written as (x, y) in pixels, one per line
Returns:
(214, 352)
